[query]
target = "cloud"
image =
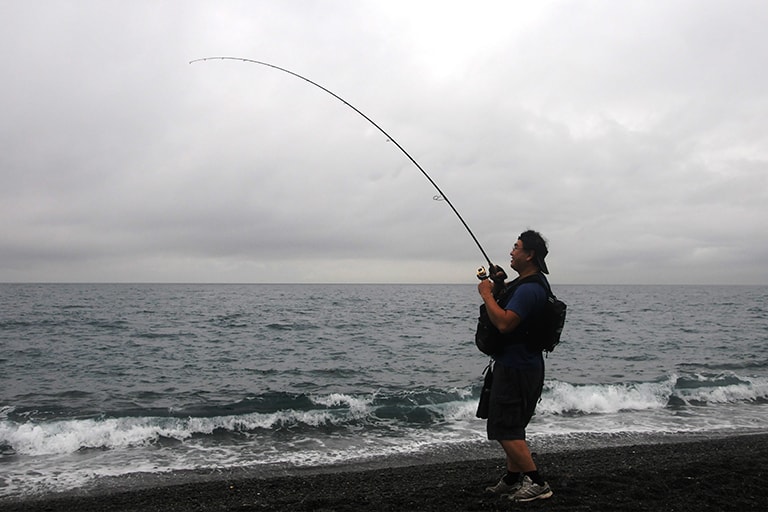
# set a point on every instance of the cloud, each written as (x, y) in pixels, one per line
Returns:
(630, 134)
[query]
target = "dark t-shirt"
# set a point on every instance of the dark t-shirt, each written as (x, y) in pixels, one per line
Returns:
(527, 300)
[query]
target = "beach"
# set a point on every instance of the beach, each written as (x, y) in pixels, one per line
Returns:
(704, 475)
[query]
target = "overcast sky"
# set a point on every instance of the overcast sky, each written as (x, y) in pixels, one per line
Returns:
(632, 134)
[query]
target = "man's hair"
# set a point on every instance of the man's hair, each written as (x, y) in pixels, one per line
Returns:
(533, 241)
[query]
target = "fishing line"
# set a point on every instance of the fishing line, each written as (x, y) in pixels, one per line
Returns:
(441, 195)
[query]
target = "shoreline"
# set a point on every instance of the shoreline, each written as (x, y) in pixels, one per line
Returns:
(704, 475)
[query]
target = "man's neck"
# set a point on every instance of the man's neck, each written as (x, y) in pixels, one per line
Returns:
(527, 272)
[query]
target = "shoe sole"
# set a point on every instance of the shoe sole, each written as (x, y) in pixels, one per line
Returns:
(491, 490)
(541, 496)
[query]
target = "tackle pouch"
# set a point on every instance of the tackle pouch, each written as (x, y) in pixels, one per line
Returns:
(485, 394)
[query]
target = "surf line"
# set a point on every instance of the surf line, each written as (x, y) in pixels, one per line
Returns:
(441, 195)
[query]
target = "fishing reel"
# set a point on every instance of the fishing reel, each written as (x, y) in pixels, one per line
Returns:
(498, 274)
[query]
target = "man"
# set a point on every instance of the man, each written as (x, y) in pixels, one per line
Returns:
(518, 371)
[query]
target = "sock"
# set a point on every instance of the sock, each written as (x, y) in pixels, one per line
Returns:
(511, 478)
(535, 477)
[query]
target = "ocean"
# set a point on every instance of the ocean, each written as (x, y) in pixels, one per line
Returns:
(122, 385)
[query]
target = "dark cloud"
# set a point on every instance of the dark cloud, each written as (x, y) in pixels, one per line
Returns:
(631, 135)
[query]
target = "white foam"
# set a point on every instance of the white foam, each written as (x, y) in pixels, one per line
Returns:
(5, 411)
(358, 406)
(69, 436)
(722, 389)
(337, 409)
(562, 397)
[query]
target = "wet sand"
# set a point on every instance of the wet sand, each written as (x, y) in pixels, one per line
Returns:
(716, 475)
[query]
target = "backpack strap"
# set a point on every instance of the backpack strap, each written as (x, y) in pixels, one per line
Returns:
(504, 296)
(536, 278)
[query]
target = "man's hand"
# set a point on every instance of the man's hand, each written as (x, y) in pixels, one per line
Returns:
(497, 274)
(485, 288)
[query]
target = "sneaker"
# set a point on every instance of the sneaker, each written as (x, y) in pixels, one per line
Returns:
(504, 488)
(530, 491)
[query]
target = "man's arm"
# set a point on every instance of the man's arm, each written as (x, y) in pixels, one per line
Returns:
(504, 319)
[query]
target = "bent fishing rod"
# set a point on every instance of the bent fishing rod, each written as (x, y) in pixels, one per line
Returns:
(441, 195)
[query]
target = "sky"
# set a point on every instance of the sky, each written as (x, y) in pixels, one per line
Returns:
(631, 134)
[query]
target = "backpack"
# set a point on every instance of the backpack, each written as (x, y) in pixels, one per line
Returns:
(544, 330)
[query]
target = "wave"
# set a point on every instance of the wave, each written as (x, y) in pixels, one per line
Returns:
(675, 391)
(721, 388)
(565, 398)
(280, 415)
(250, 418)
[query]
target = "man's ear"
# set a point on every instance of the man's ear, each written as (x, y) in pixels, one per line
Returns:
(530, 255)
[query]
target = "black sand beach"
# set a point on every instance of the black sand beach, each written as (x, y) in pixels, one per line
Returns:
(716, 475)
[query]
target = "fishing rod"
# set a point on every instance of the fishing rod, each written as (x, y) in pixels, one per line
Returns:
(441, 195)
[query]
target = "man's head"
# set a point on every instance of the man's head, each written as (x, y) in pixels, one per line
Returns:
(530, 249)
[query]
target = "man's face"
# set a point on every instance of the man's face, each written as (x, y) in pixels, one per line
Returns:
(518, 256)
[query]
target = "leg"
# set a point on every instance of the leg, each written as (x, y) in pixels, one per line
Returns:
(519, 459)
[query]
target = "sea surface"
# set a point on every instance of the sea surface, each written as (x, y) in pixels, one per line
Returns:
(120, 384)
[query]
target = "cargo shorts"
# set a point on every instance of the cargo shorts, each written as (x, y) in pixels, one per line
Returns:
(514, 395)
